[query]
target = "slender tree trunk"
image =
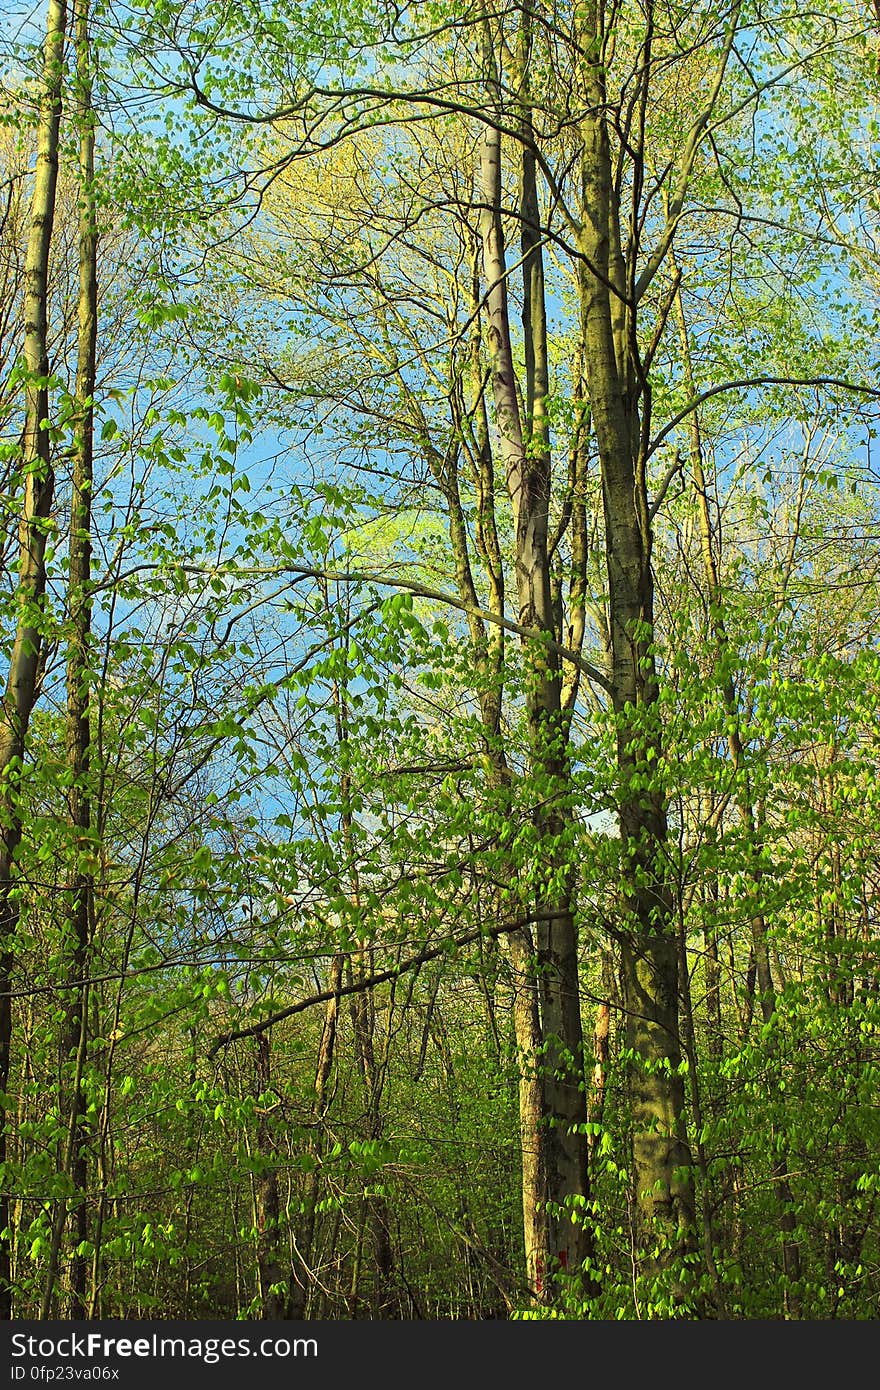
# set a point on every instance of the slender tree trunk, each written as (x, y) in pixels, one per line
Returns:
(38, 485)
(66, 1165)
(712, 965)
(521, 951)
(375, 1213)
(301, 1277)
(527, 1035)
(528, 485)
(266, 1203)
(80, 893)
(689, 1045)
(662, 1163)
(489, 654)
(373, 1070)
(601, 1051)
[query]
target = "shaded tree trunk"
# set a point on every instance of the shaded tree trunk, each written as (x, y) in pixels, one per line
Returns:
(662, 1164)
(38, 484)
(301, 1274)
(528, 485)
(267, 1207)
(489, 652)
(80, 617)
(527, 1034)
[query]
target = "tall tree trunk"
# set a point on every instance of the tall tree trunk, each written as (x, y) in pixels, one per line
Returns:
(533, 1130)
(301, 1275)
(528, 485)
(375, 1214)
(80, 893)
(267, 1207)
(662, 1163)
(489, 654)
(38, 483)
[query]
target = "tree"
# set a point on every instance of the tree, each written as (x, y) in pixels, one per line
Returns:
(473, 655)
(37, 486)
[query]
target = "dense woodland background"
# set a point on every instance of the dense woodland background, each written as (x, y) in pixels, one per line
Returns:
(439, 849)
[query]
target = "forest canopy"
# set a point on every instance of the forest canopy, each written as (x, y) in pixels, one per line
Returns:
(439, 799)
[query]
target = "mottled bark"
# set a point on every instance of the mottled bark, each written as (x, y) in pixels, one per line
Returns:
(38, 484)
(533, 1140)
(601, 1052)
(527, 474)
(662, 1166)
(489, 652)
